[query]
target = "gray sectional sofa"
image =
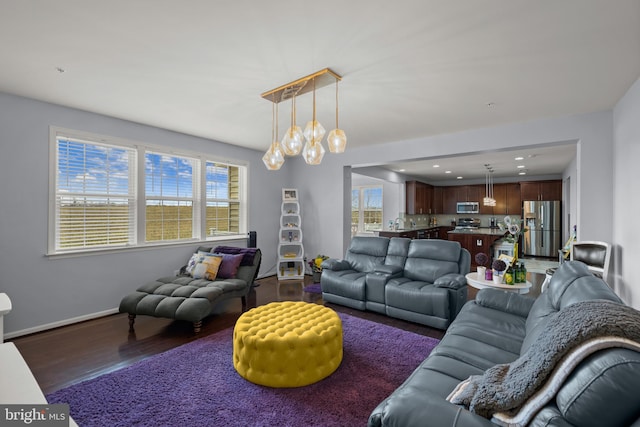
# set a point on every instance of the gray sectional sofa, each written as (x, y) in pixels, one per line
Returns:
(595, 382)
(184, 297)
(420, 281)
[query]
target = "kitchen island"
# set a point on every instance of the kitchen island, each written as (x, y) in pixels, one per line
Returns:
(429, 232)
(476, 240)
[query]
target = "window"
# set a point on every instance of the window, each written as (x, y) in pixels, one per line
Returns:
(113, 194)
(169, 192)
(223, 199)
(94, 195)
(366, 209)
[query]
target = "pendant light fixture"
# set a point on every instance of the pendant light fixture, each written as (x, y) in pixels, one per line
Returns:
(337, 140)
(489, 200)
(313, 151)
(293, 138)
(292, 142)
(274, 157)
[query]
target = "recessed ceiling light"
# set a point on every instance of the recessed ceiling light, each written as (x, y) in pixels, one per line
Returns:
(436, 166)
(401, 170)
(522, 173)
(520, 166)
(519, 158)
(458, 177)
(447, 171)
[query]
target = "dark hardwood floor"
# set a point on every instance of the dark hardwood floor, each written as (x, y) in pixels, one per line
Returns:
(70, 354)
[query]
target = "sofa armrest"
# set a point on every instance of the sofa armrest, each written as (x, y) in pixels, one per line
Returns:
(425, 410)
(508, 302)
(336, 264)
(451, 280)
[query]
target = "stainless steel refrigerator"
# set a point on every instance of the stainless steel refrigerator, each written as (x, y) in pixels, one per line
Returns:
(543, 229)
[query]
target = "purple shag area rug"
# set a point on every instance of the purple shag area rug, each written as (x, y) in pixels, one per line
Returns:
(196, 385)
(313, 288)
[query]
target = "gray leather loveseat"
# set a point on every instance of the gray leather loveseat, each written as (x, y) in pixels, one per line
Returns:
(594, 383)
(420, 281)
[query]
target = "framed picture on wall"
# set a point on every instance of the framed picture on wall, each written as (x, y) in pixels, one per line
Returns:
(289, 194)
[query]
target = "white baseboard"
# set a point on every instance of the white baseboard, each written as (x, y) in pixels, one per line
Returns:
(65, 322)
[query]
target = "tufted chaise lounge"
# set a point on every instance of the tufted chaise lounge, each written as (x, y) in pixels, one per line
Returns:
(184, 298)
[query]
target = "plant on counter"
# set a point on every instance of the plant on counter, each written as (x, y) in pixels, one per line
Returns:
(481, 259)
(316, 263)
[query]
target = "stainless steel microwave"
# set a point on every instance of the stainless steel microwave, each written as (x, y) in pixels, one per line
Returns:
(467, 207)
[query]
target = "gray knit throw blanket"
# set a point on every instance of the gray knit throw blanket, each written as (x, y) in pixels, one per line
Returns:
(507, 387)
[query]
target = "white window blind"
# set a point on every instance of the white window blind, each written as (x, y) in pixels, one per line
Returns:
(95, 195)
(222, 182)
(169, 191)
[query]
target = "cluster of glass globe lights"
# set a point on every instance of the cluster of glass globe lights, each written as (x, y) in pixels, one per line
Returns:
(292, 142)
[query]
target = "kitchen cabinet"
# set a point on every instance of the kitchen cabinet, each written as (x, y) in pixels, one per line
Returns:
(449, 200)
(541, 190)
(437, 206)
(508, 201)
(460, 193)
(418, 197)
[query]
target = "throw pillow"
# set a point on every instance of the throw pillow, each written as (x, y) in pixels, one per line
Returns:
(207, 268)
(191, 264)
(229, 266)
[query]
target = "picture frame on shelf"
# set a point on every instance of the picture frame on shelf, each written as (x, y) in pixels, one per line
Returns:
(289, 194)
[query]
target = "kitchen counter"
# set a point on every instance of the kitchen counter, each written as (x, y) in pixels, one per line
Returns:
(482, 230)
(423, 232)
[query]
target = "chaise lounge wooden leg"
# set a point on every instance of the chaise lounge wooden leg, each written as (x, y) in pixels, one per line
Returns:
(197, 326)
(132, 319)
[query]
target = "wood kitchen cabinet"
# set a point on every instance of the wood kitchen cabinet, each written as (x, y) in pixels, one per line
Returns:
(437, 206)
(460, 193)
(541, 190)
(418, 197)
(508, 201)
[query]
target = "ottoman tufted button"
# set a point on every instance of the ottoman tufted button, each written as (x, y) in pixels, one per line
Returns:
(287, 344)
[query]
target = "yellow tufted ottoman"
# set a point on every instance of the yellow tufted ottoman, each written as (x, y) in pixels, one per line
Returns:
(287, 344)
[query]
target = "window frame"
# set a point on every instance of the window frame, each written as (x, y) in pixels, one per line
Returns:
(139, 216)
(360, 229)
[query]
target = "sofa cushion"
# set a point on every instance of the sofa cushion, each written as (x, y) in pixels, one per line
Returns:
(418, 297)
(365, 253)
(571, 283)
(612, 372)
(429, 259)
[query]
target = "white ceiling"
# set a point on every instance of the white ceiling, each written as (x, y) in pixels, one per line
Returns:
(411, 68)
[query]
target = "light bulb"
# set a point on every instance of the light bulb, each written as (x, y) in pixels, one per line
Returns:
(313, 153)
(337, 141)
(314, 131)
(274, 157)
(292, 141)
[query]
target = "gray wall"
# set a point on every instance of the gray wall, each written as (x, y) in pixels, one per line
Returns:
(46, 291)
(593, 199)
(626, 204)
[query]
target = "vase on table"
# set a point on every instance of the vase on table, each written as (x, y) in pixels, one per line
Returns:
(482, 271)
(497, 278)
(316, 276)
